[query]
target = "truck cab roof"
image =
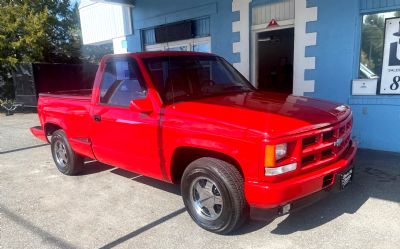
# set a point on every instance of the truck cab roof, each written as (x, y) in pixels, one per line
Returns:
(151, 54)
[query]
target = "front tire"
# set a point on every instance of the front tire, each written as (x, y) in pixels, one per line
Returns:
(212, 191)
(66, 160)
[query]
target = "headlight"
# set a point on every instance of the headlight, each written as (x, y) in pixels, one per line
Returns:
(274, 153)
(280, 151)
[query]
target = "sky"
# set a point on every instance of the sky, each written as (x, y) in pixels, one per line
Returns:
(73, 2)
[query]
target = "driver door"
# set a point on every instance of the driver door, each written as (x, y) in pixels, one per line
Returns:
(123, 137)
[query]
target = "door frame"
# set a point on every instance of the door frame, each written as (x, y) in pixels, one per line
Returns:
(255, 30)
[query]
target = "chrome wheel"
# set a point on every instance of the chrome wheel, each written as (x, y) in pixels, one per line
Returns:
(61, 154)
(206, 198)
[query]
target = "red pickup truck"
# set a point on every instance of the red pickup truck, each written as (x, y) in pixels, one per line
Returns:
(191, 118)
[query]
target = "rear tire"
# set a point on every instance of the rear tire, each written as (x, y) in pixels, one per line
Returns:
(212, 191)
(66, 160)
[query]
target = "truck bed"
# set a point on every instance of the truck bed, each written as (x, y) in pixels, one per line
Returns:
(72, 94)
(70, 111)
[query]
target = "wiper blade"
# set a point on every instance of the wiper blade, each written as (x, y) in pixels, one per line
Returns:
(236, 87)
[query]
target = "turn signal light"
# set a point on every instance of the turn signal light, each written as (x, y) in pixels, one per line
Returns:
(274, 153)
(270, 158)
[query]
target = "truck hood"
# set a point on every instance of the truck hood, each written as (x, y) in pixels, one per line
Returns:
(274, 115)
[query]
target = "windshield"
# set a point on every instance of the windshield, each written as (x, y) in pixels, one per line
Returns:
(180, 78)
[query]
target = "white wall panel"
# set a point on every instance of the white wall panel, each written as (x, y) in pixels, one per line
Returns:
(283, 10)
(102, 22)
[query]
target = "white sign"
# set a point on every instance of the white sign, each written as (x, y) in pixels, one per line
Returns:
(364, 87)
(390, 81)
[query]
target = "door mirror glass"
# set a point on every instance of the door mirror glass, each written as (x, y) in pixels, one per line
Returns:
(141, 105)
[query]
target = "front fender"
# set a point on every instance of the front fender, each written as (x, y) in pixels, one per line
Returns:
(211, 145)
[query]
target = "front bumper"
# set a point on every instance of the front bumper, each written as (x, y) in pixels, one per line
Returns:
(268, 199)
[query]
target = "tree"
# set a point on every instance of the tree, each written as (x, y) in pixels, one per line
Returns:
(22, 38)
(372, 42)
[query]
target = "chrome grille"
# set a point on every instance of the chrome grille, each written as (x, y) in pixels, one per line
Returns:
(326, 145)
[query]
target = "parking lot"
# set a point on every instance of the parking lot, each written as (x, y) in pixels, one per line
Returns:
(106, 207)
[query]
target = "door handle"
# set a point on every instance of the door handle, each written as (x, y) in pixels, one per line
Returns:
(97, 118)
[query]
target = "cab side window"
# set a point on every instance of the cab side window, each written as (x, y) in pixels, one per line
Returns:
(121, 83)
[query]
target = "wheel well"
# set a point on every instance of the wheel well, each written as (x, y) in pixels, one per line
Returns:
(183, 156)
(50, 128)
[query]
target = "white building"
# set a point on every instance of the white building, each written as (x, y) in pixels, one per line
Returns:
(106, 21)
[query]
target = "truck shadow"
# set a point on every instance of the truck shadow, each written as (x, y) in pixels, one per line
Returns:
(93, 167)
(22, 149)
(324, 211)
(164, 186)
(47, 236)
(143, 229)
(315, 215)
(377, 175)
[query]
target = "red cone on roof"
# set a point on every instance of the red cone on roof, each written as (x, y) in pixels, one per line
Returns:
(272, 23)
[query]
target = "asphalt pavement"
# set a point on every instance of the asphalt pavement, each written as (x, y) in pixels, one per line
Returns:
(105, 207)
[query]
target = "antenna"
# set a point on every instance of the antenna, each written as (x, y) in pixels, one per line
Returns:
(172, 82)
(168, 66)
(167, 29)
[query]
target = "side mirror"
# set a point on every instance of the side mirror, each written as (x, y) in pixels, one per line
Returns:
(141, 105)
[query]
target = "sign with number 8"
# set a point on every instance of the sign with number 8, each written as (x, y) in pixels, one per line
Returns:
(395, 85)
(390, 81)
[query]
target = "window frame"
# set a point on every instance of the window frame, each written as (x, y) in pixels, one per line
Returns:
(358, 47)
(139, 76)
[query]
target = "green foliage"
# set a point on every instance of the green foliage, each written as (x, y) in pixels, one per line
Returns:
(7, 104)
(372, 42)
(22, 34)
(22, 38)
(94, 53)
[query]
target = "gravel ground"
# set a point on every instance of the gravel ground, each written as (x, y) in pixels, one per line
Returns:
(108, 207)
